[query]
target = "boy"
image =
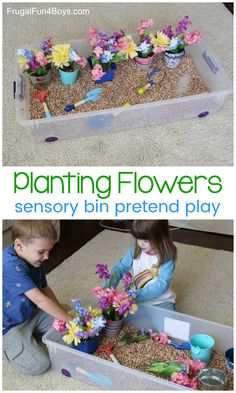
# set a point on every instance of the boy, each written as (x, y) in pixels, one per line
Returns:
(29, 305)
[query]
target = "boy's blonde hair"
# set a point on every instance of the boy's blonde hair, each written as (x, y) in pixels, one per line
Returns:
(26, 230)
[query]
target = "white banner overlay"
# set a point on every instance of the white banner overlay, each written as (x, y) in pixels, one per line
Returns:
(118, 193)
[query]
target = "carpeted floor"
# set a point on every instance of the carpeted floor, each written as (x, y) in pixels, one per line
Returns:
(207, 141)
(203, 283)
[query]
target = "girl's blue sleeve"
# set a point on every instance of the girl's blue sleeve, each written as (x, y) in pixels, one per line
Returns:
(124, 265)
(160, 284)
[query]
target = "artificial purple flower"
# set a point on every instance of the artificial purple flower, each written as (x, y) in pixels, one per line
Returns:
(46, 46)
(102, 44)
(168, 31)
(124, 308)
(102, 271)
(118, 35)
(182, 25)
(79, 334)
(112, 48)
(103, 303)
(86, 316)
(33, 65)
(103, 35)
(126, 280)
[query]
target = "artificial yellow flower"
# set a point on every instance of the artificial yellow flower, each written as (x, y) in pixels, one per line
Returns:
(134, 308)
(161, 39)
(131, 50)
(22, 62)
(70, 336)
(60, 55)
(95, 312)
(73, 313)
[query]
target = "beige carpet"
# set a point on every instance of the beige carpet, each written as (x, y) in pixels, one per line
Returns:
(203, 283)
(208, 141)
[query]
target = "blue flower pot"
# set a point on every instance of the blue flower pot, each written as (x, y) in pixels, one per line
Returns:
(109, 75)
(172, 60)
(229, 358)
(68, 78)
(88, 346)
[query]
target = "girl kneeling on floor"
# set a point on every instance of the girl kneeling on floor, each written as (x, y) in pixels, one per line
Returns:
(152, 259)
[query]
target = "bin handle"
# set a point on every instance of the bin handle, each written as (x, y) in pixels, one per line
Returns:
(210, 62)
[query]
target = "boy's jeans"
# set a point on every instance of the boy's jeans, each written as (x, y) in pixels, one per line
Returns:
(21, 348)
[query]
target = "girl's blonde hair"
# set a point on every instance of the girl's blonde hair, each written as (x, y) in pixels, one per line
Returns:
(158, 234)
(26, 230)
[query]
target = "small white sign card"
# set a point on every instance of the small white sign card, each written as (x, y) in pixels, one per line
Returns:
(177, 329)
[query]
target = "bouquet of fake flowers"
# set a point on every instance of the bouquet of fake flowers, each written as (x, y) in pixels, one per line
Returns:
(178, 40)
(149, 43)
(108, 49)
(114, 304)
(86, 323)
(67, 58)
(35, 63)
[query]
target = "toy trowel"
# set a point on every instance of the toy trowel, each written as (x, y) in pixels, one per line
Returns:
(41, 96)
(92, 95)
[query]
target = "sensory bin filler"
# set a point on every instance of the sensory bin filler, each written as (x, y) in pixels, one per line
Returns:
(117, 73)
(189, 355)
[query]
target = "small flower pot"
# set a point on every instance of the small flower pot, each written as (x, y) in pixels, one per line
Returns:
(109, 75)
(172, 60)
(41, 82)
(67, 77)
(112, 328)
(144, 63)
(229, 359)
(88, 346)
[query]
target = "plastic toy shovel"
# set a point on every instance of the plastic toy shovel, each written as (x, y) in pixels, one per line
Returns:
(41, 96)
(97, 378)
(92, 95)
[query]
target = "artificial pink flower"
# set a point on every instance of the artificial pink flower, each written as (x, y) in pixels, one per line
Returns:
(92, 36)
(111, 294)
(193, 383)
(184, 379)
(160, 338)
(97, 72)
(82, 61)
(98, 51)
(123, 43)
(163, 339)
(159, 49)
(194, 365)
(41, 59)
(192, 38)
(98, 291)
(59, 325)
(155, 337)
(119, 297)
(144, 25)
(180, 378)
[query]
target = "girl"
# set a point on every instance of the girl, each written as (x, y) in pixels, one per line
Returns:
(152, 259)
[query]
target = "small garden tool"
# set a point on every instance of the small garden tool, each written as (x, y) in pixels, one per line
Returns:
(108, 349)
(41, 97)
(151, 82)
(97, 378)
(92, 95)
(184, 346)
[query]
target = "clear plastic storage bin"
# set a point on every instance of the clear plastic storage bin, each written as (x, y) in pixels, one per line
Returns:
(142, 115)
(110, 376)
